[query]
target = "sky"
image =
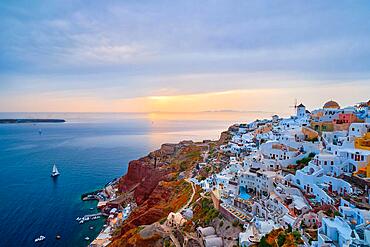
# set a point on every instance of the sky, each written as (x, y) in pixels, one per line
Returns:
(182, 56)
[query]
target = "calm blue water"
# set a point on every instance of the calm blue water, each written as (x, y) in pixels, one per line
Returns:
(243, 193)
(89, 150)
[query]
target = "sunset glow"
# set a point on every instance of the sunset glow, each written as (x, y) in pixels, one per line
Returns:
(180, 57)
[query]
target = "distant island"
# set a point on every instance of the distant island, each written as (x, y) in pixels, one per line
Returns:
(28, 120)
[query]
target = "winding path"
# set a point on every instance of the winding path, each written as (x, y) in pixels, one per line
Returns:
(191, 198)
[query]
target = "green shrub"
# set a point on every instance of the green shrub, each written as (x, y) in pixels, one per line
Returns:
(336, 213)
(241, 226)
(166, 243)
(183, 166)
(297, 235)
(263, 242)
(281, 239)
(304, 161)
(162, 221)
(289, 229)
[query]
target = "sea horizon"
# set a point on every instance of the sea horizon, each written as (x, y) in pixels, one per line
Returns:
(89, 152)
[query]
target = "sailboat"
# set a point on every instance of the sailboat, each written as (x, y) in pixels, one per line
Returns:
(55, 171)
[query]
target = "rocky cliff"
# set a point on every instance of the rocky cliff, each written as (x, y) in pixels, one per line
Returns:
(142, 177)
(156, 183)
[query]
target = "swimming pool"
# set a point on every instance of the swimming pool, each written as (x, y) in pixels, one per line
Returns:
(243, 193)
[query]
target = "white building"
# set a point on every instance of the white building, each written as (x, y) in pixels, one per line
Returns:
(301, 111)
(259, 181)
(354, 158)
(358, 130)
(330, 163)
(336, 232)
(312, 180)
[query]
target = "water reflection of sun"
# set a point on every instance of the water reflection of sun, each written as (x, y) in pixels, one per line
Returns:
(196, 125)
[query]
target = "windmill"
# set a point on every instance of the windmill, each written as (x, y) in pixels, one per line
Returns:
(295, 105)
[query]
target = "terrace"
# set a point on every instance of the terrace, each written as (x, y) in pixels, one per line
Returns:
(239, 214)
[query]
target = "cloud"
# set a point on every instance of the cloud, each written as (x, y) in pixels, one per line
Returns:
(249, 35)
(272, 92)
(128, 50)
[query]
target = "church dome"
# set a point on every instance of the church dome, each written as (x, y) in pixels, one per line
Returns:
(332, 105)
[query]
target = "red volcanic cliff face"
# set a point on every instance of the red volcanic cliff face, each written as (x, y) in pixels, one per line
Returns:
(142, 177)
(144, 174)
(165, 198)
(153, 182)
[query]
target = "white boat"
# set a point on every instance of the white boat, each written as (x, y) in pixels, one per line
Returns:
(87, 238)
(55, 171)
(39, 239)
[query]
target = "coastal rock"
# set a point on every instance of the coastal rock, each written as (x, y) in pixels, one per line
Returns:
(165, 198)
(168, 149)
(224, 138)
(142, 177)
(234, 128)
(155, 185)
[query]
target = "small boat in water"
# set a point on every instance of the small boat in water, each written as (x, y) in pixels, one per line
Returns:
(87, 238)
(55, 171)
(39, 239)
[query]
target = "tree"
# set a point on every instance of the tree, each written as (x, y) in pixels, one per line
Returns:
(263, 242)
(289, 229)
(336, 213)
(297, 235)
(281, 239)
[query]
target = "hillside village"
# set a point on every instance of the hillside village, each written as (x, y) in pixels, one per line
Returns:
(309, 172)
(297, 181)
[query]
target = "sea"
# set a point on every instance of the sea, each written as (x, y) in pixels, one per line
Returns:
(90, 150)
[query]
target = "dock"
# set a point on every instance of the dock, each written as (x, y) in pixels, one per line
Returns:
(91, 195)
(89, 217)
